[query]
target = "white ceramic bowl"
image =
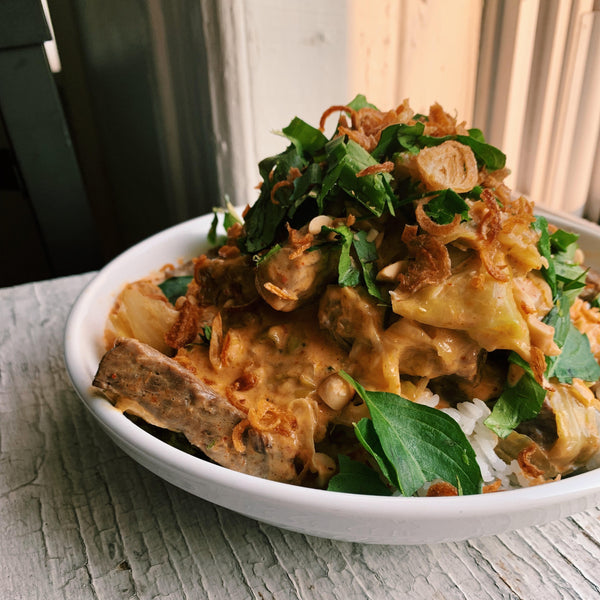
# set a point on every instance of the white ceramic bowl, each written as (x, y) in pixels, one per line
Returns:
(372, 519)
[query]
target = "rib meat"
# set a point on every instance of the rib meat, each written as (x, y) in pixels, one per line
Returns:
(142, 381)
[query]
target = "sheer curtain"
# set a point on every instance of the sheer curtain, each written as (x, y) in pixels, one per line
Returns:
(527, 72)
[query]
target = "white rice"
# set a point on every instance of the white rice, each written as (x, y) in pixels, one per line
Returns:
(470, 416)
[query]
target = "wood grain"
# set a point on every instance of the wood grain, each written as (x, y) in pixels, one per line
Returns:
(79, 519)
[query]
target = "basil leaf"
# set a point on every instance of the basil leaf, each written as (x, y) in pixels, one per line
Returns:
(443, 207)
(519, 402)
(174, 287)
(420, 443)
(357, 478)
(367, 436)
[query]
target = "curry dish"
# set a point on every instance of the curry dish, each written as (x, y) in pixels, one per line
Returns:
(389, 257)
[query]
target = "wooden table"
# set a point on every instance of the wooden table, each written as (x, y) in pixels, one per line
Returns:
(80, 519)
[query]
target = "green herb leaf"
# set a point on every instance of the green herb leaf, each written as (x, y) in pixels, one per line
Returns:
(174, 287)
(410, 138)
(357, 478)
(575, 360)
(265, 219)
(305, 137)
(367, 436)
(359, 102)
(519, 402)
(345, 159)
(562, 240)
(399, 138)
(348, 272)
(367, 255)
(545, 249)
(443, 207)
(421, 443)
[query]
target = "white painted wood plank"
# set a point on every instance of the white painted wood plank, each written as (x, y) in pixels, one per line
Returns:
(79, 519)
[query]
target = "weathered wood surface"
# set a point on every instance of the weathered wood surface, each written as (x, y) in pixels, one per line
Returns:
(80, 519)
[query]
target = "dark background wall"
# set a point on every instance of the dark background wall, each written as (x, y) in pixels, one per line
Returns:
(133, 96)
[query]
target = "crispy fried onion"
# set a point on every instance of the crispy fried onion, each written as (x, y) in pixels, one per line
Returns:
(367, 123)
(283, 294)
(449, 165)
(265, 417)
(492, 487)
(386, 167)
(493, 258)
(431, 264)
(530, 471)
(185, 328)
(440, 123)
(299, 242)
(441, 488)
(237, 435)
(487, 216)
(537, 363)
(216, 342)
(430, 226)
(293, 174)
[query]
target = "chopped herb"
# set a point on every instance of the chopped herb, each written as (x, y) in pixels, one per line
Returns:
(444, 206)
(174, 287)
(517, 403)
(346, 159)
(206, 334)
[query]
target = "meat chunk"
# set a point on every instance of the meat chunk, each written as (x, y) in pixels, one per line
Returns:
(224, 281)
(144, 382)
(287, 279)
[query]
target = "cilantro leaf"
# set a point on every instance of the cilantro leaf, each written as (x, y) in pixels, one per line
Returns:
(265, 219)
(421, 444)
